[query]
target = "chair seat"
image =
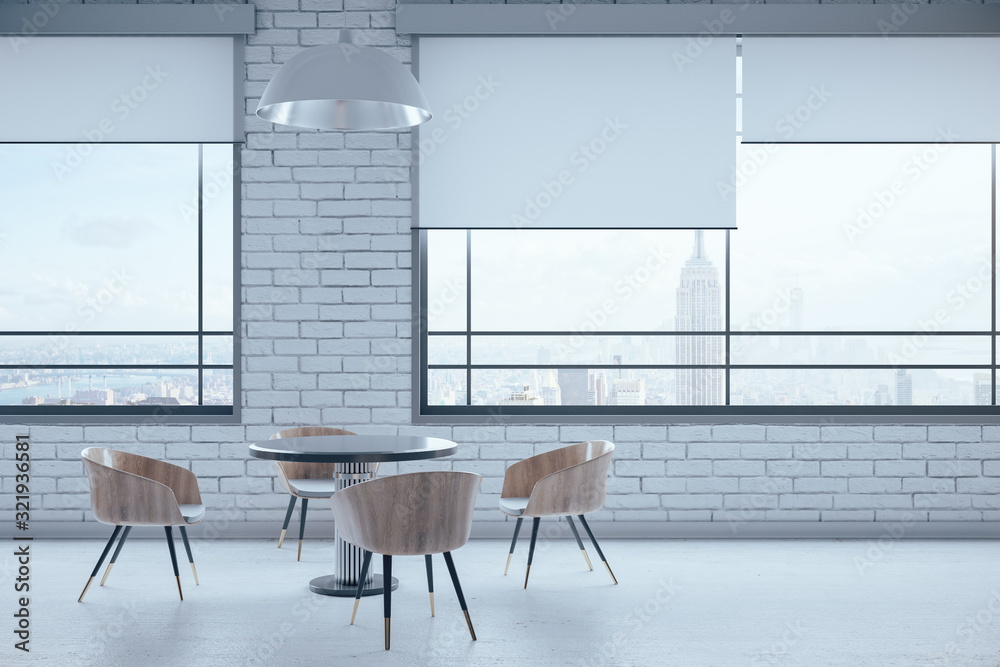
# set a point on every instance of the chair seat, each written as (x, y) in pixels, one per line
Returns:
(192, 513)
(313, 488)
(514, 506)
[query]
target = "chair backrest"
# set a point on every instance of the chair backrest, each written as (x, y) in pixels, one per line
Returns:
(565, 481)
(289, 470)
(129, 489)
(408, 515)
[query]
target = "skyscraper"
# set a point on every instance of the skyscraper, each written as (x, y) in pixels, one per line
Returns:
(904, 388)
(982, 387)
(573, 386)
(699, 308)
(551, 394)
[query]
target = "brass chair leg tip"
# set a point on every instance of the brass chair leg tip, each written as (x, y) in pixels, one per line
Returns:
(509, 556)
(432, 604)
(195, 573)
(106, 573)
(85, 589)
(281, 539)
(355, 612)
(179, 590)
(587, 558)
(299, 557)
(468, 622)
(527, 573)
(613, 578)
(387, 634)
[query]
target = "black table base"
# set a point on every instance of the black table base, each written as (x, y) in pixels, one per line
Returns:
(327, 585)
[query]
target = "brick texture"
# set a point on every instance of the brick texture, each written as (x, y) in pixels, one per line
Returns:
(326, 304)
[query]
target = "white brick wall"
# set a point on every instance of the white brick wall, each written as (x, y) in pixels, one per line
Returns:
(326, 294)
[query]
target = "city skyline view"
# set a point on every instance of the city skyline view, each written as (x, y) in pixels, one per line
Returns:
(877, 282)
(120, 229)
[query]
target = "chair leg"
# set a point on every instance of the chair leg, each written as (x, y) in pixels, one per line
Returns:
(579, 542)
(387, 594)
(513, 543)
(430, 580)
(104, 554)
(114, 556)
(597, 546)
(173, 559)
(458, 591)
(187, 548)
(288, 517)
(531, 549)
(302, 525)
(361, 583)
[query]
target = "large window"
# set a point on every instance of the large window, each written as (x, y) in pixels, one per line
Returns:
(860, 280)
(118, 289)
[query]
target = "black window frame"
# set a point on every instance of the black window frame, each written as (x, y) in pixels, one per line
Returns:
(155, 412)
(424, 413)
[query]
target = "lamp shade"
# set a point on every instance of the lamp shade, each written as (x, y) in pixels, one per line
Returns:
(344, 86)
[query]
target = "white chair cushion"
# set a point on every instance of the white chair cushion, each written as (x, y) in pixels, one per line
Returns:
(192, 513)
(514, 506)
(314, 488)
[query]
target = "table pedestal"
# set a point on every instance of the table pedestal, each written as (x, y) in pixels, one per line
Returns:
(349, 557)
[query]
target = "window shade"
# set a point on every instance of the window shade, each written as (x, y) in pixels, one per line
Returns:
(871, 89)
(121, 89)
(570, 132)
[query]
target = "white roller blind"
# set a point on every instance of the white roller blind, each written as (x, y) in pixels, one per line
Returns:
(555, 132)
(123, 89)
(871, 89)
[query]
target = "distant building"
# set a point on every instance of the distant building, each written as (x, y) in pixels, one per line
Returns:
(597, 389)
(699, 308)
(94, 397)
(524, 397)
(32, 400)
(982, 388)
(904, 388)
(551, 394)
(628, 391)
(573, 386)
(881, 396)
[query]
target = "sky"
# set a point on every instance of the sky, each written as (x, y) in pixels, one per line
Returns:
(101, 237)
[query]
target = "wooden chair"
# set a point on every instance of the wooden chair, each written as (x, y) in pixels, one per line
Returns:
(567, 481)
(305, 480)
(130, 490)
(417, 514)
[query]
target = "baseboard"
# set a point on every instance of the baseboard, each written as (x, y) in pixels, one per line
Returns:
(552, 529)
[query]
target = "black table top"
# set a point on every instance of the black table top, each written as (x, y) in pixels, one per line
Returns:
(353, 448)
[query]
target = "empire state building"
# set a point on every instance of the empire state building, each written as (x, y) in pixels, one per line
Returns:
(699, 308)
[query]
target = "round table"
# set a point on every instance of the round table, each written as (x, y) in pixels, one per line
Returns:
(356, 459)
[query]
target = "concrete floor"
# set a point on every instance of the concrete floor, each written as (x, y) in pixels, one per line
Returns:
(680, 602)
